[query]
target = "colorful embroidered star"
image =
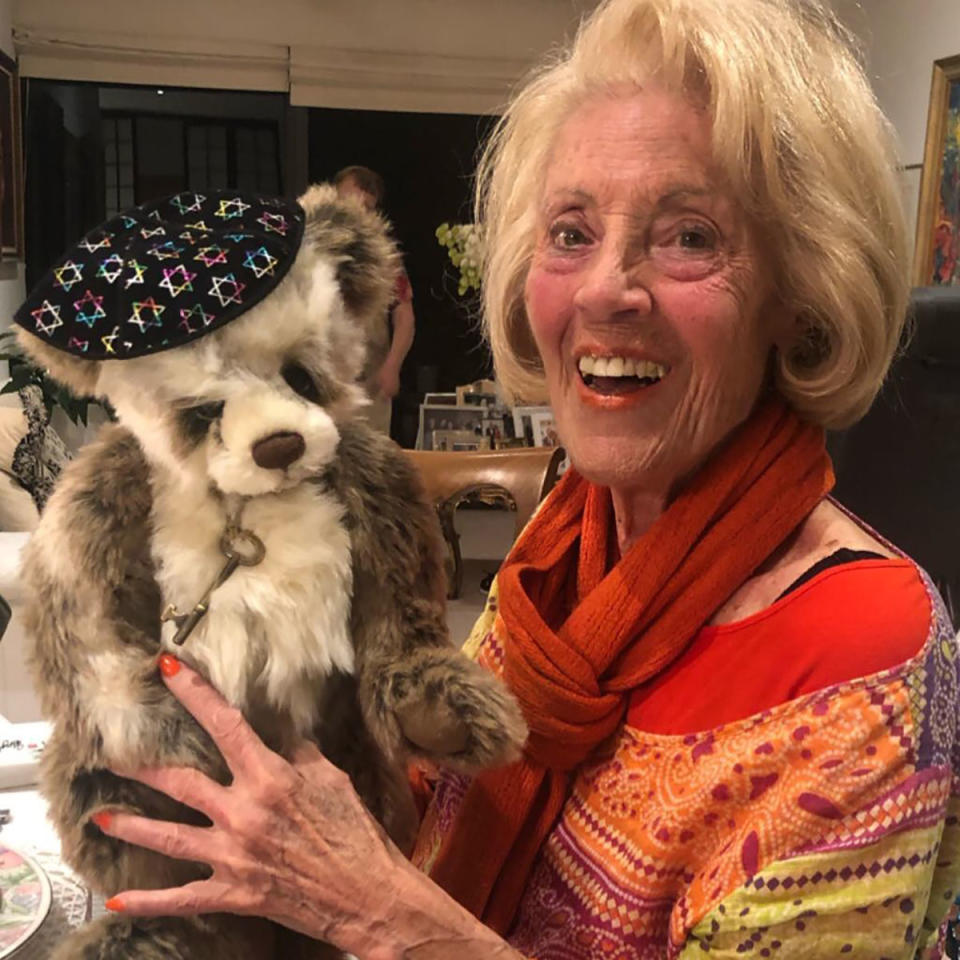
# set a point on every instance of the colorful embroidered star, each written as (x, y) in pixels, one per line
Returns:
(199, 225)
(90, 245)
(111, 267)
(269, 262)
(230, 282)
(274, 223)
(211, 255)
(141, 307)
(128, 222)
(47, 326)
(188, 202)
(196, 312)
(166, 251)
(138, 272)
(154, 215)
(155, 232)
(74, 344)
(68, 274)
(188, 236)
(231, 208)
(89, 317)
(167, 283)
(237, 237)
(107, 341)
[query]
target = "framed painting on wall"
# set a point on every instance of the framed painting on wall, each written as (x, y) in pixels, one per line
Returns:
(937, 257)
(11, 163)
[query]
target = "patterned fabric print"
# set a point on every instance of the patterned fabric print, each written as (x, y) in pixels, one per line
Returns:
(164, 273)
(41, 455)
(821, 817)
(863, 904)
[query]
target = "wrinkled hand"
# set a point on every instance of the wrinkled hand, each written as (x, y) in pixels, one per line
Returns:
(387, 381)
(290, 841)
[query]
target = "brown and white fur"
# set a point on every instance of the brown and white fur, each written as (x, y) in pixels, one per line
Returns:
(337, 635)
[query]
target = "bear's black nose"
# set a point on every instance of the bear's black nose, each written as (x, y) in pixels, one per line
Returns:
(279, 450)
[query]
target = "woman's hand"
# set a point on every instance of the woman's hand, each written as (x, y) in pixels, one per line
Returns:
(290, 842)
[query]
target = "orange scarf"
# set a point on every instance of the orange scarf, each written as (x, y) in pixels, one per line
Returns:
(580, 638)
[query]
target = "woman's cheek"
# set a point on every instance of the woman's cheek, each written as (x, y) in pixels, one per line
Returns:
(548, 297)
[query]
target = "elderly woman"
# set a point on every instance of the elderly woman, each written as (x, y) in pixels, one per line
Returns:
(742, 703)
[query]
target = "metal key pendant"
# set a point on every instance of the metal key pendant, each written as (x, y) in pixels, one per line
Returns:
(242, 549)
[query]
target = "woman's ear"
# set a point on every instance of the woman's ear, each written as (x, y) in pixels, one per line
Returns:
(80, 376)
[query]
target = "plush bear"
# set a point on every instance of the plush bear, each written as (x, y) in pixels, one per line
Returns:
(242, 515)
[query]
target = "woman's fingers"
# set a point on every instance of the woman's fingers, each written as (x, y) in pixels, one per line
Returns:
(189, 786)
(201, 896)
(243, 750)
(178, 840)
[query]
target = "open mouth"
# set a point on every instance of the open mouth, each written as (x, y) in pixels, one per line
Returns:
(617, 375)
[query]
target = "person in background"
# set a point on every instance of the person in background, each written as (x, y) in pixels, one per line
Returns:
(390, 343)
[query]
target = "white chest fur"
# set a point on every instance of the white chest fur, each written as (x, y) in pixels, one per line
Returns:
(275, 630)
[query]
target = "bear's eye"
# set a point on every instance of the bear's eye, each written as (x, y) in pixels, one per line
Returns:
(300, 381)
(196, 421)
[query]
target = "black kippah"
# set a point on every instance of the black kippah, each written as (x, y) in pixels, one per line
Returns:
(164, 273)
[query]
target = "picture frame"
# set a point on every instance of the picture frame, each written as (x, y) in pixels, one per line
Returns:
(544, 430)
(435, 417)
(937, 251)
(454, 440)
(523, 422)
(11, 162)
(441, 400)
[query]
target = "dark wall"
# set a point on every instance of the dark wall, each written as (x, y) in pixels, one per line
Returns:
(899, 467)
(427, 161)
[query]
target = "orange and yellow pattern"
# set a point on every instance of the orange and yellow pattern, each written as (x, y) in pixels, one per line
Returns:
(818, 828)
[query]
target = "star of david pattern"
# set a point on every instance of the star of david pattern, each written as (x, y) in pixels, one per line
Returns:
(164, 273)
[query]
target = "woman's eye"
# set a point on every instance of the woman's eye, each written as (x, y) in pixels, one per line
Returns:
(692, 238)
(567, 236)
(300, 381)
(695, 240)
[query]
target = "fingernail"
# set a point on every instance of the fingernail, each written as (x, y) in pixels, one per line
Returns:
(169, 664)
(115, 904)
(103, 819)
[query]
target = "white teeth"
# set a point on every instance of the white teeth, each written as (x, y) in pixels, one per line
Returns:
(621, 367)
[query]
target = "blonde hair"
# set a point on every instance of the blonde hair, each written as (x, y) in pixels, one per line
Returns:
(799, 134)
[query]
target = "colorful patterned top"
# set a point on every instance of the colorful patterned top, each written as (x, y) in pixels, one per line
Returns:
(824, 825)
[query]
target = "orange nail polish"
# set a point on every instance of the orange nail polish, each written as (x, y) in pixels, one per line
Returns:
(169, 665)
(103, 819)
(115, 904)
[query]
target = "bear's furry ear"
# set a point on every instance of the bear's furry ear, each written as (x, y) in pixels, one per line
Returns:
(358, 242)
(78, 375)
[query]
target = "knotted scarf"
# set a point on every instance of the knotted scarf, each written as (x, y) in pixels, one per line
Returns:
(583, 629)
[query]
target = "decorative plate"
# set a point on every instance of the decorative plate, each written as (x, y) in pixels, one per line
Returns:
(24, 899)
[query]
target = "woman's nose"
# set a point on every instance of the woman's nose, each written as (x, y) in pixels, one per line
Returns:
(614, 285)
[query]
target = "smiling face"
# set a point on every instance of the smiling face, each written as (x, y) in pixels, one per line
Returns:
(647, 294)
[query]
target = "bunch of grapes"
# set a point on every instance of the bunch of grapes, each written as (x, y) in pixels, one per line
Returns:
(464, 245)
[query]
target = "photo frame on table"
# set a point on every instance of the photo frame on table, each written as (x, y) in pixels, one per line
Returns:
(937, 253)
(544, 430)
(523, 422)
(441, 417)
(452, 440)
(11, 162)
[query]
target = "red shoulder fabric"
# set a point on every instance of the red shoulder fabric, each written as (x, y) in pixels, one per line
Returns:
(849, 621)
(402, 290)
